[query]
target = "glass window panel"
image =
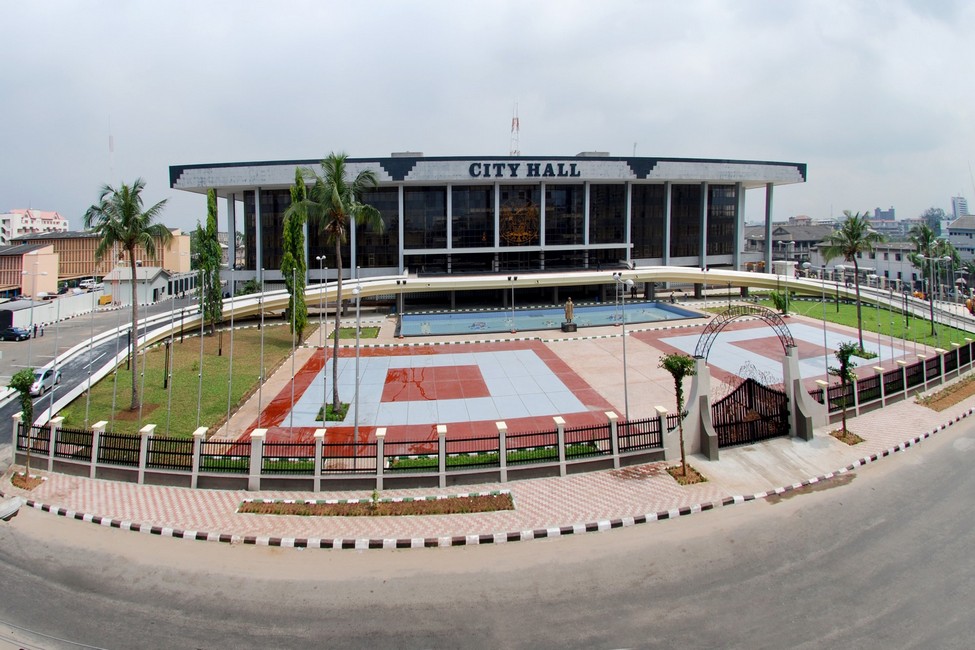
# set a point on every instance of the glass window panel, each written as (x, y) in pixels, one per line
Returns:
(472, 218)
(519, 222)
(565, 216)
(607, 214)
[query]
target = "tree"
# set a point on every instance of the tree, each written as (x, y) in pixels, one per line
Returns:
(209, 257)
(923, 258)
(120, 220)
(679, 366)
(854, 237)
(333, 202)
(844, 355)
(21, 382)
(933, 218)
(294, 267)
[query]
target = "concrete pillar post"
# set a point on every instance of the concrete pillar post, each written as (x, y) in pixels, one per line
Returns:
(903, 368)
(198, 437)
(53, 425)
(97, 430)
(319, 446)
(503, 449)
(880, 378)
(442, 453)
(614, 439)
(145, 433)
(256, 460)
(560, 426)
(380, 456)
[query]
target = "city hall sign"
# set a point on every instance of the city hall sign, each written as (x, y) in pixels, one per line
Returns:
(524, 170)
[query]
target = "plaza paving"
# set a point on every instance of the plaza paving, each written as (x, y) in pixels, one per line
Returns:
(585, 370)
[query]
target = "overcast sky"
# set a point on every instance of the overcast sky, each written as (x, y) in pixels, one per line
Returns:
(875, 96)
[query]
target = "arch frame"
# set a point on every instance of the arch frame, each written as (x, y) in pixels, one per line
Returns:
(721, 320)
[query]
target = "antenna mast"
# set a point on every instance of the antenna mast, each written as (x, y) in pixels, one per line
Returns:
(515, 128)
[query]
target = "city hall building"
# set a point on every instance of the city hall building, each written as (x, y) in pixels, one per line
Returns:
(445, 215)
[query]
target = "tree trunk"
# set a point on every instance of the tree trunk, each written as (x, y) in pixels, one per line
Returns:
(336, 404)
(136, 398)
(680, 428)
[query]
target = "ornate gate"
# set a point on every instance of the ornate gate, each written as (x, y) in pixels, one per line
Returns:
(750, 413)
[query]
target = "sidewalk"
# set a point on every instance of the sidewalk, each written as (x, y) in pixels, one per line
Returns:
(544, 507)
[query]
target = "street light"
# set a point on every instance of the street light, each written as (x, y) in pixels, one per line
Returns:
(321, 297)
(822, 277)
(624, 286)
(841, 269)
(355, 412)
(880, 354)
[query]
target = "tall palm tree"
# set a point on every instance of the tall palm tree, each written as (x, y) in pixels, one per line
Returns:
(334, 201)
(925, 250)
(119, 219)
(854, 237)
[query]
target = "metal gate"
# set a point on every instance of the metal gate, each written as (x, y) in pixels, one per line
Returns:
(750, 413)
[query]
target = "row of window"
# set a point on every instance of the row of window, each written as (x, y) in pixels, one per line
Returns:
(520, 221)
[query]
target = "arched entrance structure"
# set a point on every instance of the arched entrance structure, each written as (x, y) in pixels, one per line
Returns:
(721, 320)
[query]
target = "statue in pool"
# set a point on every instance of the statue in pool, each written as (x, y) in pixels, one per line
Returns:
(569, 310)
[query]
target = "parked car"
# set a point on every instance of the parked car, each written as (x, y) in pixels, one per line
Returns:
(14, 334)
(45, 380)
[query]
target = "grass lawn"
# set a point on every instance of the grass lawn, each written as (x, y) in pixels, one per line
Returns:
(186, 382)
(887, 322)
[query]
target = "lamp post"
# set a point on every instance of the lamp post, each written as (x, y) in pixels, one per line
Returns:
(512, 279)
(321, 297)
(624, 286)
(880, 354)
(260, 375)
(199, 391)
(355, 407)
(230, 361)
(91, 344)
(294, 281)
(841, 269)
(57, 332)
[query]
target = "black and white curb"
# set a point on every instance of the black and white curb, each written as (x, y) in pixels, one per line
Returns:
(362, 544)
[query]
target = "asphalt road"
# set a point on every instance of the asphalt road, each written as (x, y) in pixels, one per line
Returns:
(880, 559)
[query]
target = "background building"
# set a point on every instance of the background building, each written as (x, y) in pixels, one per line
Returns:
(959, 207)
(28, 270)
(447, 215)
(18, 223)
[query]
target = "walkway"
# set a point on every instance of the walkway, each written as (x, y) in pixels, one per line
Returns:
(544, 507)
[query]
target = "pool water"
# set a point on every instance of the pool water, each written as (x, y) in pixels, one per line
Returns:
(470, 322)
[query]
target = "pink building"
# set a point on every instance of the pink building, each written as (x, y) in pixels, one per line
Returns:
(17, 223)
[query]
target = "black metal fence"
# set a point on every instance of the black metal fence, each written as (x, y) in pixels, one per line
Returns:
(636, 435)
(169, 453)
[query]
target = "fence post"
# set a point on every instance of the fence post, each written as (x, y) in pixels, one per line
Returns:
(144, 434)
(956, 348)
(614, 437)
(503, 449)
(15, 419)
(856, 396)
(824, 386)
(880, 378)
(442, 453)
(319, 446)
(971, 357)
(941, 363)
(198, 437)
(257, 459)
(924, 369)
(380, 456)
(54, 425)
(97, 430)
(560, 425)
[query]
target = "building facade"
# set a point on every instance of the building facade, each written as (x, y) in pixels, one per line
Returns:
(18, 223)
(28, 270)
(500, 214)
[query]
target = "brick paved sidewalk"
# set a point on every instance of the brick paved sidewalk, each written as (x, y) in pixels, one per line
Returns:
(593, 499)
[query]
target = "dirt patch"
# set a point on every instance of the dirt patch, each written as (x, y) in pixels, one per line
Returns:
(948, 397)
(24, 482)
(383, 508)
(693, 476)
(836, 481)
(131, 415)
(847, 436)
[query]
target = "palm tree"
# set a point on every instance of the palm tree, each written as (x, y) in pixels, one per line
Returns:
(854, 237)
(119, 219)
(926, 249)
(334, 201)
(679, 366)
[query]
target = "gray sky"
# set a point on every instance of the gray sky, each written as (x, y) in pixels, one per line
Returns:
(876, 96)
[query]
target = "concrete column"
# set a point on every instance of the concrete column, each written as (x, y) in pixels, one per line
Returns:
(924, 369)
(442, 453)
(703, 253)
(97, 430)
(319, 445)
(614, 437)
(880, 375)
(198, 437)
(256, 460)
(903, 366)
(258, 249)
(145, 433)
(401, 205)
(954, 348)
(585, 213)
(503, 449)
(53, 426)
(628, 222)
(232, 229)
(739, 226)
(668, 205)
(768, 227)
(380, 456)
(662, 423)
(353, 241)
(560, 425)
(856, 397)
(941, 363)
